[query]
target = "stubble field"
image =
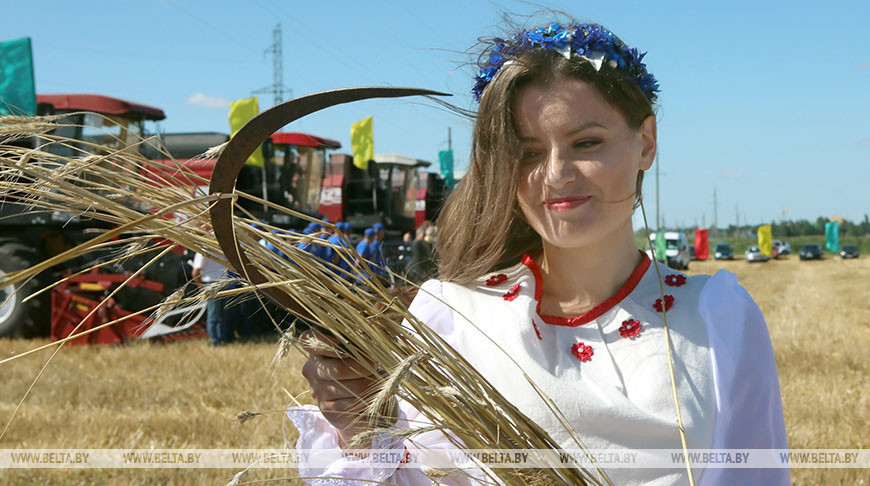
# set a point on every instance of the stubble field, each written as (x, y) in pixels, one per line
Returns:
(186, 394)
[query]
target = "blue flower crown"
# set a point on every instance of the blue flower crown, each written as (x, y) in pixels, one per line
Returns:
(589, 41)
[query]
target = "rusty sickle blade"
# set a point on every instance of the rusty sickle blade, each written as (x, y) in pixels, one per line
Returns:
(243, 144)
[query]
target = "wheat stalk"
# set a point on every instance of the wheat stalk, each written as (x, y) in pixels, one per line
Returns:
(139, 197)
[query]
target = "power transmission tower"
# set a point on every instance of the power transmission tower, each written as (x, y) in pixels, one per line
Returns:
(277, 88)
(658, 207)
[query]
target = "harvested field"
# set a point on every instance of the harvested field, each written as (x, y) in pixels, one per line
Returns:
(185, 394)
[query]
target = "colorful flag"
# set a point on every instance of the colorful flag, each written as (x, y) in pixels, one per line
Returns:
(832, 236)
(446, 158)
(765, 240)
(241, 111)
(362, 140)
(702, 250)
(17, 87)
(661, 246)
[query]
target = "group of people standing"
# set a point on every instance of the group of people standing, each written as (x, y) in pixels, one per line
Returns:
(418, 253)
(227, 323)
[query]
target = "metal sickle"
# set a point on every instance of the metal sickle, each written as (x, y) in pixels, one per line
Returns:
(243, 144)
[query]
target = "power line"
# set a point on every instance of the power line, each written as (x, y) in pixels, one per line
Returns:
(210, 25)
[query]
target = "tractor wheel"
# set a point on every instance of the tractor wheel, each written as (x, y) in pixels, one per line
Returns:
(18, 318)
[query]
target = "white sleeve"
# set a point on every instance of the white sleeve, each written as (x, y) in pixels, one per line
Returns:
(197, 261)
(748, 401)
(316, 433)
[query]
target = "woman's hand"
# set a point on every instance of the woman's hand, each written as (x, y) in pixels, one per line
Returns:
(341, 387)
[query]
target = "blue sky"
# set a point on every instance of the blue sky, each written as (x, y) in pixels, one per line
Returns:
(768, 102)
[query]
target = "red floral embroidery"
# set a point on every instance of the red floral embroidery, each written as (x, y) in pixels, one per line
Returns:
(669, 301)
(495, 280)
(406, 458)
(630, 328)
(537, 331)
(675, 280)
(582, 351)
(512, 293)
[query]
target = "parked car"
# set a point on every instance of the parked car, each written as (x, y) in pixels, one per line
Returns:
(677, 250)
(783, 246)
(753, 254)
(776, 249)
(692, 253)
(811, 251)
(849, 251)
(723, 251)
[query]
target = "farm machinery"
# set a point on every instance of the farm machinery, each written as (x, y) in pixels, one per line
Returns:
(297, 174)
(28, 237)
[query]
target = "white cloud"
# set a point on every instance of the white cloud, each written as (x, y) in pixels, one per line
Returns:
(207, 101)
(732, 174)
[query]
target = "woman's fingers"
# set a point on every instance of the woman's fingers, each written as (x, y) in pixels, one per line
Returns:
(359, 390)
(326, 368)
(319, 344)
(342, 387)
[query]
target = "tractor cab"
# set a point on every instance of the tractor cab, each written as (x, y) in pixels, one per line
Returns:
(294, 171)
(386, 191)
(113, 122)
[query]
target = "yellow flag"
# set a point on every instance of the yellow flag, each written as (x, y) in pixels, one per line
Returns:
(362, 139)
(241, 111)
(765, 240)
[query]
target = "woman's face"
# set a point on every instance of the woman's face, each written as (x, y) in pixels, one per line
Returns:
(579, 162)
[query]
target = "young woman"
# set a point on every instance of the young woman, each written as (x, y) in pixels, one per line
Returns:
(564, 133)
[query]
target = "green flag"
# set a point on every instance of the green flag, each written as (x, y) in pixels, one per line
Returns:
(661, 246)
(832, 236)
(446, 158)
(17, 88)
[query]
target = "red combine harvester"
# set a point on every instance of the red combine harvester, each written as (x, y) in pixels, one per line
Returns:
(393, 190)
(27, 238)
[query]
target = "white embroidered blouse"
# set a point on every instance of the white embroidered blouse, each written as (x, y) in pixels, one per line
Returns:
(606, 370)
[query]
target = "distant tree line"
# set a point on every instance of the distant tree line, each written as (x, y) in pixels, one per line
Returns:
(803, 227)
(784, 229)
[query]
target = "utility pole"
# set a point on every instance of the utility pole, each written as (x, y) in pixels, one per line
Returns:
(715, 211)
(783, 213)
(658, 207)
(737, 214)
(277, 88)
(449, 140)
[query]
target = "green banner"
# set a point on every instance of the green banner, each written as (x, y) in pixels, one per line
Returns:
(17, 87)
(661, 246)
(446, 158)
(832, 236)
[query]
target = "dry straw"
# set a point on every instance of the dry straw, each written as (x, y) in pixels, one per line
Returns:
(146, 205)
